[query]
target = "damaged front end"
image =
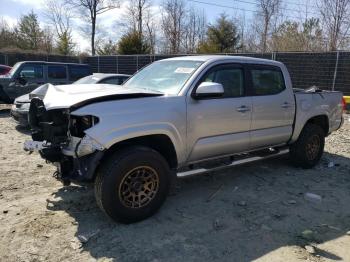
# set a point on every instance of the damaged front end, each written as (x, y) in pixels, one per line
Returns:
(59, 137)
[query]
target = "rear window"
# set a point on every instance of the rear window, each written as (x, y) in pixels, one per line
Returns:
(77, 72)
(267, 81)
(57, 72)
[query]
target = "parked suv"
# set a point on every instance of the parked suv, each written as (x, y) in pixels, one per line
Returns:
(24, 77)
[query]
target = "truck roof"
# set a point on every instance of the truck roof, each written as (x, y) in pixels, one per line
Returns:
(213, 58)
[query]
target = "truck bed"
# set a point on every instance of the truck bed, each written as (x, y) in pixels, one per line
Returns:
(315, 102)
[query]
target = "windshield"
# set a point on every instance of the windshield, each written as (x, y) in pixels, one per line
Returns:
(14, 69)
(91, 79)
(167, 77)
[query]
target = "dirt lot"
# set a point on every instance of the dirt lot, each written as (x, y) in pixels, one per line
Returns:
(255, 212)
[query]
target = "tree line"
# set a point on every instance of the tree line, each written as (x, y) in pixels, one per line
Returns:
(177, 27)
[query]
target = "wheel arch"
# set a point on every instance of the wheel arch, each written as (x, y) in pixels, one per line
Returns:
(158, 142)
(321, 120)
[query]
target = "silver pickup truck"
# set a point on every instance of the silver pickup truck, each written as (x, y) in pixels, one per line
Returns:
(183, 116)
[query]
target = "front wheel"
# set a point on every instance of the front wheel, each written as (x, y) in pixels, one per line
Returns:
(132, 184)
(307, 151)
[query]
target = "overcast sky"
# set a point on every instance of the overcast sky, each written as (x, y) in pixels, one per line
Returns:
(11, 11)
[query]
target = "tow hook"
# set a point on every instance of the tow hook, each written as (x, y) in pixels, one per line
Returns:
(65, 182)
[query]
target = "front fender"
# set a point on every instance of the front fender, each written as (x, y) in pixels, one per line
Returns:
(121, 120)
(114, 136)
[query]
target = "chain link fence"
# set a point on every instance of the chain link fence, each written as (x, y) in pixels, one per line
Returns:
(12, 58)
(326, 70)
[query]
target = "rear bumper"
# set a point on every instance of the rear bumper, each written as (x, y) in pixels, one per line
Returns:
(20, 116)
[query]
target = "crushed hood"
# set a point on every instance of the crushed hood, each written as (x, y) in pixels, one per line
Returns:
(67, 96)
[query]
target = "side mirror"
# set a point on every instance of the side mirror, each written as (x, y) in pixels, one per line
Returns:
(209, 90)
(21, 80)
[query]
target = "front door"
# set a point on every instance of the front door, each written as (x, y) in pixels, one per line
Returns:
(29, 77)
(220, 126)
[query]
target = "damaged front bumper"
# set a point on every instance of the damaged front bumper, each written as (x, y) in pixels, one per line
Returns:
(60, 139)
(76, 161)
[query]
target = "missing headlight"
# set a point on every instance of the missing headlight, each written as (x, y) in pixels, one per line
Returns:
(81, 123)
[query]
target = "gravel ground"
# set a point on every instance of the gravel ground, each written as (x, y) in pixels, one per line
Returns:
(257, 212)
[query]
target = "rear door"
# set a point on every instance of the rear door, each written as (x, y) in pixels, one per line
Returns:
(57, 74)
(219, 126)
(273, 106)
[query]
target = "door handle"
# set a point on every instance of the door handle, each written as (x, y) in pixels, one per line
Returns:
(243, 109)
(285, 105)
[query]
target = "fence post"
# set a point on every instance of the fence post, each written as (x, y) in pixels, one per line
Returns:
(98, 64)
(137, 63)
(273, 55)
(335, 71)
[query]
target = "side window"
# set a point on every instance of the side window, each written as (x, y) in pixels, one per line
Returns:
(31, 71)
(267, 81)
(77, 72)
(56, 72)
(231, 78)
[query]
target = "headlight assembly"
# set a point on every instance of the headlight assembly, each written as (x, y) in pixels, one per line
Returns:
(79, 124)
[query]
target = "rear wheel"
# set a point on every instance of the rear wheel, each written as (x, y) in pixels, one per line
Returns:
(307, 151)
(132, 184)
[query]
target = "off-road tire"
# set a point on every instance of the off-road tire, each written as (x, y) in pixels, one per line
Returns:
(113, 173)
(300, 154)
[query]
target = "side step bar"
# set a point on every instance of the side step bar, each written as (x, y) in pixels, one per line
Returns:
(234, 163)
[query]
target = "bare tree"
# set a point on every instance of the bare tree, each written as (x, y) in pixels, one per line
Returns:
(151, 31)
(267, 9)
(47, 40)
(195, 30)
(91, 9)
(336, 17)
(7, 35)
(59, 16)
(135, 16)
(139, 18)
(173, 24)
